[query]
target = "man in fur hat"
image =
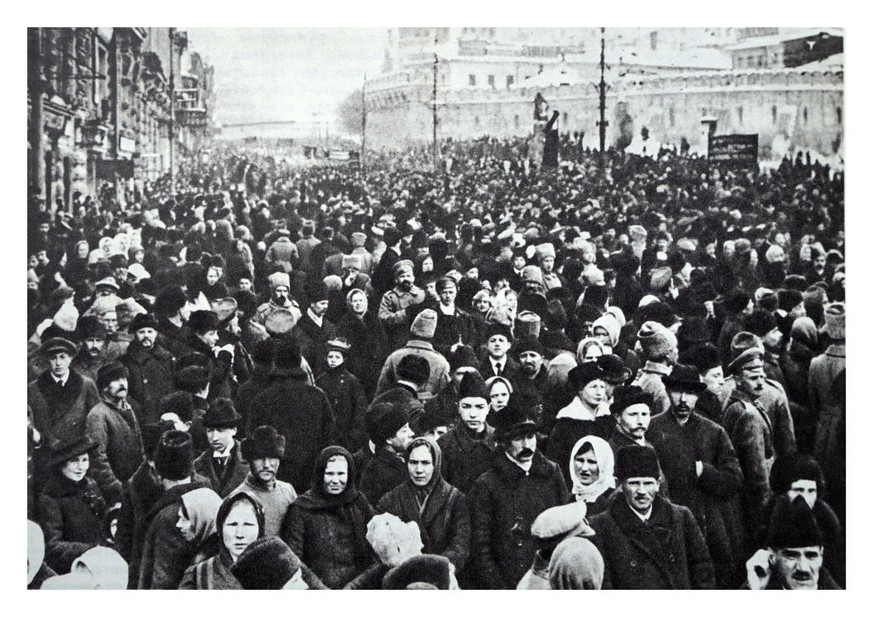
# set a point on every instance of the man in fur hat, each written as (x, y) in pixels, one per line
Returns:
(264, 451)
(92, 351)
(530, 382)
(505, 500)
(150, 366)
(420, 344)
(388, 428)
(646, 541)
(313, 330)
(280, 298)
(396, 306)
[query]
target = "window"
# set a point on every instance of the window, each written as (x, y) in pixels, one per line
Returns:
(839, 115)
(739, 62)
(805, 115)
(472, 80)
(491, 80)
(517, 121)
(566, 118)
(774, 113)
(509, 80)
(740, 115)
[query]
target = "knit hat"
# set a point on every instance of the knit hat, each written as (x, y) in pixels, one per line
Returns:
(279, 279)
(174, 456)
(424, 324)
(413, 368)
(351, 261)
(472, 386)
(89, 326)
(203, 321)
(66, 450)
(401, 266)
(267, 563)
(528, 343)
(512, 422)
(57, 344)
(528, 324)
(264, 442)
(559, 522)
(462, 356)
(660, 278)
(383, 420)
(612, 369)
(393, 541)
(759, 322)
(432, 570)
(625, 396)
(835, 321)
(684, 378)
(793, 525)
(221, 414)
(108, 373)
(656, 340)
(702, 357)
(636, 462)
(143, 320)
(279, 322)
(179, 403)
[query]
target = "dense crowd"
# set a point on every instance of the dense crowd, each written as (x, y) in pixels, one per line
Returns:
(624, 372)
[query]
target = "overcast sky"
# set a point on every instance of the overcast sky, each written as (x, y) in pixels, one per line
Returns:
(279, 74)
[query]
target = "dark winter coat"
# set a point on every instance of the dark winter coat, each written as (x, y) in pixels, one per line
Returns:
(453, 328)
(247, 392)
(151, 378)
(119, 451)
(368, 351)
(71, 516)
(349, 404)
(234, 472)
(385, 471)
(713, 497)
(329, 532)
(301, 413)
(667, 552)
(504, 502)
(313, 340)
(443, 518)
(466, 458)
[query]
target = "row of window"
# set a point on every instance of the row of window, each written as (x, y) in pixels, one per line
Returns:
(492, 81)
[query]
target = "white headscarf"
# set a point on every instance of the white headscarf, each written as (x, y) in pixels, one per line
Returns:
(606, 466)
(35, 550)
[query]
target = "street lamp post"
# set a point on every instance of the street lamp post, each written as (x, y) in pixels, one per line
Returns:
(172, 126)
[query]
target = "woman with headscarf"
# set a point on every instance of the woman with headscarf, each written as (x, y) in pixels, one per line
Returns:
(76, 269)
(592, 471)
(440, 510)
(499, 391)
(363, 330)
(71, 508)
(802, 347)
(576, 564)
(327, 526)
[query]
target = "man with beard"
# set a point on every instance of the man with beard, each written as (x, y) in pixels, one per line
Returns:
(646, 541)
(529, 383)
(794, 553)
(751, 433)
(150, 366)
(632, 410)
(702, 468)
(112, 424)
(264, 450)
(505, 500)
(92, 338)
(394, 309)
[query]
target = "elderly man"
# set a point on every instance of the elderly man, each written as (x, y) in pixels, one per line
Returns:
(702, 468)
(419, 344)
(264, 451)
(394, 308)
(505, 500)
(150, 366)
(112, 424)
(751, 433)
(646, 541)
(280, 298)
(794, 553)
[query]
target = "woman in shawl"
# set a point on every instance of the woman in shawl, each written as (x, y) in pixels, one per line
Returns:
(592, 471)
(327, 526)
(196, 522)
(440, 510)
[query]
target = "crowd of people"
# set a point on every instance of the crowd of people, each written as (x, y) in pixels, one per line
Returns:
(623, 372)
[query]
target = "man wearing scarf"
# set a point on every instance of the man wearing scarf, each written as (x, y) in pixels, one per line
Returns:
(439, 509)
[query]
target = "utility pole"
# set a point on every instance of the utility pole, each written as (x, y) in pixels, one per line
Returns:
(603, 123)
(363, 125)
(36, 87)
(172, 111)
(436, 61)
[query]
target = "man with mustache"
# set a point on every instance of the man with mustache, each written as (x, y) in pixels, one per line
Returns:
(751, 433)
(702, 469)
(530, 382)
(794, 553)
(150, 366)
(396, 309)
(264, 451)
(92, 350)
(505, 500)
(646, 541)
(112, 424)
